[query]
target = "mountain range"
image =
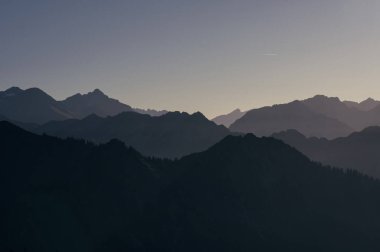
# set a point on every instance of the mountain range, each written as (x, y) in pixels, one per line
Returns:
(319, 116)
(243, 194)
(171, 135)
(35, 106)
(359, 150)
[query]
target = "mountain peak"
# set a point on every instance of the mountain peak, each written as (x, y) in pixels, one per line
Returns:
(369, 99)
(13, 90)
(324, 98)
(97, 92)
(198, 115)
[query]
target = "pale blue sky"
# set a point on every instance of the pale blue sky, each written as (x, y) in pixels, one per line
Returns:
(206, 55)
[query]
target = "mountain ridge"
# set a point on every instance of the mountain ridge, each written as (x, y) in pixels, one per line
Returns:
(319, 116)
(171, 135)
(359, 150)
(33, 105)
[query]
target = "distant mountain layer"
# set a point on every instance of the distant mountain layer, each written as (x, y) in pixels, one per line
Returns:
(35, 106)
(319, 116)
(171, 135)
(365, 105)
(228, 119)
(360, 150)
(242, 194)
(295, 115)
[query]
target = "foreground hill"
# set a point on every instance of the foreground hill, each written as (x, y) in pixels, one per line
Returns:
(243, 194)
(295, 115)
(360, 150)
(35, 106)
(171, 135)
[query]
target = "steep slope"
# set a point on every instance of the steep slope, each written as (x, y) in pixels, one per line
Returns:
(228, 119)
(31, 105)
(295, 115)
(243, 194)
(171, 135)
(360, 150)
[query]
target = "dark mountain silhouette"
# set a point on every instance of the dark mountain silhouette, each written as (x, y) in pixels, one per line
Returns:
(31, 105)
(365, 105)
(295, 115)
(171, 135)
(98, 103)
(243, 194)
(228, 119)
(360, 150)
(35, 106)
(95, 102)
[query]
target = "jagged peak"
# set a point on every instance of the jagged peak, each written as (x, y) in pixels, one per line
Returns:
(198, 114)
(96, 92)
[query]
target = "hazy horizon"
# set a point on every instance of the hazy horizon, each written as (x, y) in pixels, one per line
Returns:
(208, 56)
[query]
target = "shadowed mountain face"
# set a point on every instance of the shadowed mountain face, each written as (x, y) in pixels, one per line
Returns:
(365, 105)
(31, 105)
(295, 115)
(228, 119)
(35, 106)
(319, 116)
(243, 194)
(171, 135)
(360, 150)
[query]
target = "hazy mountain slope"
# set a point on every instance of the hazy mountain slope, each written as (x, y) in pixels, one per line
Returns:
(171, 135)
(334, 108)
(31, 105)
(295, 115)
(365, 105)
(360, 150)
(228, 119)
(243, 194)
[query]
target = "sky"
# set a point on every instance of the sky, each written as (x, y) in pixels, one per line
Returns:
(193, 55)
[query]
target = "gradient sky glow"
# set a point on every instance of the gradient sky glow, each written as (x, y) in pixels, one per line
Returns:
(190, 55)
